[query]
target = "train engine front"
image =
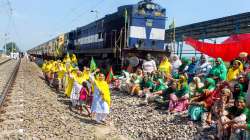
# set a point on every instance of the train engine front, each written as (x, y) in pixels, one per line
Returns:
(146, 30)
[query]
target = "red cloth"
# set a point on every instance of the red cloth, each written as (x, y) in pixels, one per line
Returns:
(228, 50)
(236, 38)
(110, 75)
(83, 94)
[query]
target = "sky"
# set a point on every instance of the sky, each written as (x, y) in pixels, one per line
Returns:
(36, 21)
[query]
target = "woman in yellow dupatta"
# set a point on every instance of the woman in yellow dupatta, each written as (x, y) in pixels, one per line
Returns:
(54, 72)
(74, 60)
(103, 86)
(48, 71)
(86, 73)
(67, 59)
(61, 73)
(44, 68)
(69, 81)
(78, 77)
(44, 65)
(234, 71)
(165, 66)
(77, 86)
(101, 97)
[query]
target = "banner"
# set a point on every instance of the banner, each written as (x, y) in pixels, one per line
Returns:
(228, 50)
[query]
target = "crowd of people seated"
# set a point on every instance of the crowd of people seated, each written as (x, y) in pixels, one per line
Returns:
(208, 90)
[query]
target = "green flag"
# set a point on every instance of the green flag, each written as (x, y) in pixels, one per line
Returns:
(172, 25)
(92, 65)
(126, 16)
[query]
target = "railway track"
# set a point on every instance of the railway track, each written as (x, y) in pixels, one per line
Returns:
(5, 99)
(4, 61)
(10, 81)
(31, 110)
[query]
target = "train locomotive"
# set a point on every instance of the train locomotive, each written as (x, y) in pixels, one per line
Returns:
(117, 39)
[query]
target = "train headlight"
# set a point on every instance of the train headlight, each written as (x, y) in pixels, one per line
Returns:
(158, 14)
(136, 45)
(142, 12)
(150, 6)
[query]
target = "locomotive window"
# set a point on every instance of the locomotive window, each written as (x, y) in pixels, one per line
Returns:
(140, 43)
(70, 35)
(153, 44)
(150, 6)
(100, 36)
(79, 32)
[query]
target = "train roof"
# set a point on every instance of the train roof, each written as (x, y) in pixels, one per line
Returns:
(106, 18)
(119, 12)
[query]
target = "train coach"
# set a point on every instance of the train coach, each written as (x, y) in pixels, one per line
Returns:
(115, 39)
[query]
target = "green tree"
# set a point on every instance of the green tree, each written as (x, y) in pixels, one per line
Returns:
(11, 47)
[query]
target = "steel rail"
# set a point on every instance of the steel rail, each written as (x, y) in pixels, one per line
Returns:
(9, 83)
(1, 63)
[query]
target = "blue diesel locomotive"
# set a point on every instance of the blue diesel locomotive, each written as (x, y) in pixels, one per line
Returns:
(132, 31)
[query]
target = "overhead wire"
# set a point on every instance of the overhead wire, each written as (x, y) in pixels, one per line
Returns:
(17, 33)
(62, 19)
(99, 9)
(76, 18)
(8, 25)
(11, 30)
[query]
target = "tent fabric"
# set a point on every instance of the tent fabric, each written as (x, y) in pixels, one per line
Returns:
(236, 38)
(228, 50)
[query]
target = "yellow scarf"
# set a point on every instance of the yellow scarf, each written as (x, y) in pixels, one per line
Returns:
(44, 67)
(61, 71)
(54, 67)
(104, 89)
(73, 59)
(165, 66)
(66, 59)
(182, 80)
(86, 75)
(69, 67)
(233, 74)
(48, 67)
(79, 79)
(241, 67)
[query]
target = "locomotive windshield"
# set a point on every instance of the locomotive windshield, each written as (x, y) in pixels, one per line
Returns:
(147, 7)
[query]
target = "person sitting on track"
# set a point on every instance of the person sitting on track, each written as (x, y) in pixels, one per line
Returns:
(136, 79)
(149, 65)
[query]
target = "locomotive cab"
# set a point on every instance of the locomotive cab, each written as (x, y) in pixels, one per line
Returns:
(147, 26)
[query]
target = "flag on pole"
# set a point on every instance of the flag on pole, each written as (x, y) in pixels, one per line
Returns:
(126, 16)
(92, 65)
(110, 75)
(57, 48)
(172, 25)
